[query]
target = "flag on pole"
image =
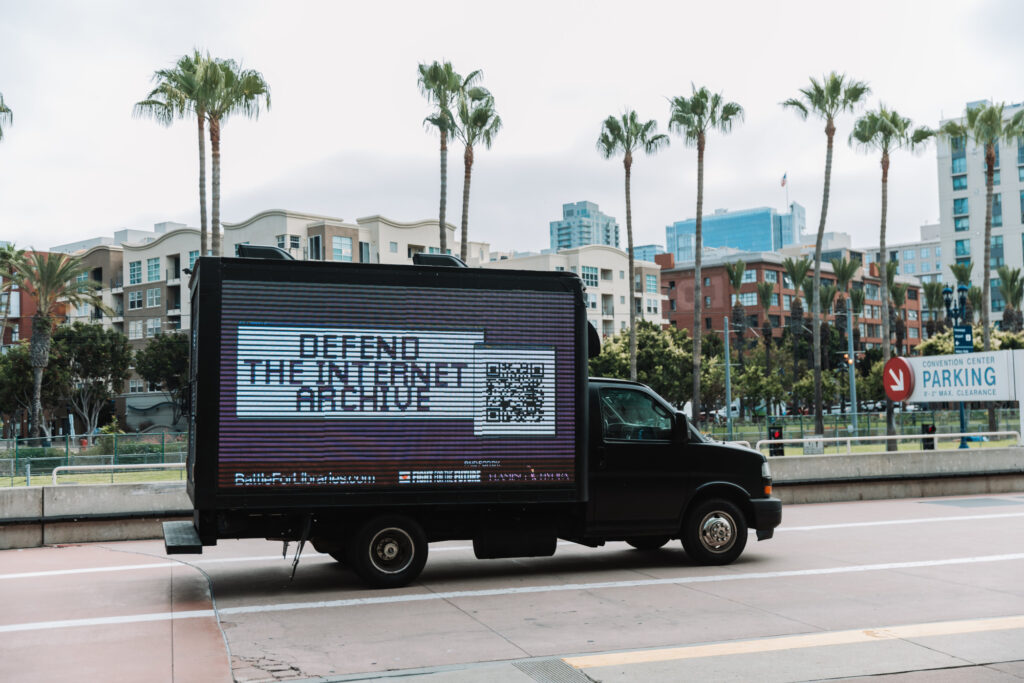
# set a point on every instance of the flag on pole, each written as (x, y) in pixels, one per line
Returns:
(783, 180)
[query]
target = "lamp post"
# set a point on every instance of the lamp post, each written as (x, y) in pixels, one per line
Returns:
(956, 314)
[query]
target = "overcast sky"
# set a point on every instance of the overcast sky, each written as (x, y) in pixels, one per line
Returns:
(344, 135)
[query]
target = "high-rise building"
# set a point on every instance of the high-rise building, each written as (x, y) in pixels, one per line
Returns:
(760, 229)
(647, 252)
(583, 223)
(962, 195)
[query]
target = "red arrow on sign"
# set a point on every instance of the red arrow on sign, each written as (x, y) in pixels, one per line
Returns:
(898, 379)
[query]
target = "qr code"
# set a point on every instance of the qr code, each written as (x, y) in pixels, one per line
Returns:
(514, 392)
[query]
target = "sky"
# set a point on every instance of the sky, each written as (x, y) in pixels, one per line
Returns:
(344, 135)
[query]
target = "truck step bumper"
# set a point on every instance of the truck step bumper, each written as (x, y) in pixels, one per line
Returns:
(181, 538)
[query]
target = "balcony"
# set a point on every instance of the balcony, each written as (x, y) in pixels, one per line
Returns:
(173, 276)
(116, 285)
(173, 308)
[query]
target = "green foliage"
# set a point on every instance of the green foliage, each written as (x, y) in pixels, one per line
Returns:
(941, 343)
(664, 360)
(16, 388)
(962, 272)
(735, 271)
(97, 360)
(871, 388)
(692, 117)
(164, 361)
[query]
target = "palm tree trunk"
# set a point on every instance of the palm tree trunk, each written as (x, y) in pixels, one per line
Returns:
(628, 163)
(204, 237)
(883, 264)
(215, 186)
(986, 285)
(698, 246)
(444, 192)
(39, 356)
(468, 159)
(819, 424)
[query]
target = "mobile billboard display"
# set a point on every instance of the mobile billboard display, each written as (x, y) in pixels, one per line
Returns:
(367, 378)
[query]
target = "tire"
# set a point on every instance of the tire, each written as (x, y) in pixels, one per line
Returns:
(648, 542)
(388, 552)
(715, 532)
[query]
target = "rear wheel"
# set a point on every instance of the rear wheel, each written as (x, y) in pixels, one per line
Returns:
(715, 532)
(648, 542)
(388, 552)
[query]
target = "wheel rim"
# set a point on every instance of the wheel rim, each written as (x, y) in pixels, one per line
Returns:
(717, 531)
(392, 550)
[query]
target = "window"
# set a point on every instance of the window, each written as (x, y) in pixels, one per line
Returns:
(786, 282)
(1020, 174)
(341, 248)
(771, 276)
(152, 327)
(652, 284)
(960, 165)
(750, 275)
(282, 241)
(135, 272)
(996, 252)
(998, 303)
(606, 275)
(134, 300)
(960, 224)
(632, 415)
(959, 182)
(908, 269)
(997, 211)
(963, 247)
(393, 247)
(135, 386)
(591, 300)
(960, 206)
(560, 269)
(622, 275)
(911, 314)
(622, 300)
(707, 280)
(707, 302)
(152, 297)
(1022, 204)
(909, 254)
(775, 299)
(652, 306)
(995, 177)
(963, 261)
(938, 254)
(707, 323)
(871, 292)
(671, 304)
(14, 332)
(912, 332)
(912, 295)
(925, 252)
(135, 328)
(192, 256)
(152, 269)
(314, 248)
(787, 301)
(748, 298)
(364, 252)
(589, 274)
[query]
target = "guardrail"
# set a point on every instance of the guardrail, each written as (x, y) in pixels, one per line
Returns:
(898, 437)
(92, 468)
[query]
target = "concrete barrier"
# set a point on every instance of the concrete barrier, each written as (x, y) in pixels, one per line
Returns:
(34, 516)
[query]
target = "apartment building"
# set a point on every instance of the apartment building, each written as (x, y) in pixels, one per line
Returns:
(717, 294)
(603, 270)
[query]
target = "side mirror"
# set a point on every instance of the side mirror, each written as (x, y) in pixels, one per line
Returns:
(680, 428)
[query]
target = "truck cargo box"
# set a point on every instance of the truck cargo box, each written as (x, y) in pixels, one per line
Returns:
(338, 384)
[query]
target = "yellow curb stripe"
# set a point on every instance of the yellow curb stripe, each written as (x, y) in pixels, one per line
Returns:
(942, 628)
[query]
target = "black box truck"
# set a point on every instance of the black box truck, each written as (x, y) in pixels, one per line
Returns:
(372, 409)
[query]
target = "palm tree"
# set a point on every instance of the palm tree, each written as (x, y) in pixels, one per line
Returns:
(844, 270)
(834, 95)
(933, 302)
(480, 123)
(233, 90)
(962, 274)
(182, 92)
(6, 116)
(627, 135)
(693, 118)
(899, 299)
(796, 270)
(735, 272)
(765, 290)
(10, 257)
(857, 305)
(1012, 289)
(440, 84)
(975, 299)
(984, 127)
(54, 281)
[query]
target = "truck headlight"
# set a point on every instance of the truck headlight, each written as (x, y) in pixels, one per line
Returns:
(766, 471)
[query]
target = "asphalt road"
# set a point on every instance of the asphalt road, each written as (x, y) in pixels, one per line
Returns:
(907, 590)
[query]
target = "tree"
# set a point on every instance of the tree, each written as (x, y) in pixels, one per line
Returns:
(832, 96)
(440, 84)
(933, 302)
(735, 273)
(183, 92)
(857, 307)
(962, 274)
(984, 127)
(480, 124)
(765, 291)
(693, 117)
(164, 362)
(662, 362)
(1011, 287)
(232, 90)
(6, 115)
(16, 386)
(53, 280)
(797, 272)
(627, 135)
(899, 299)
(97, 360)
(10, 257)
(844, 270)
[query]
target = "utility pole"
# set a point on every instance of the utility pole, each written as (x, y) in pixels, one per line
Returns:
(728, 383)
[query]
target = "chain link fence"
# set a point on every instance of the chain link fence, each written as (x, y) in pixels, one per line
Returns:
(29, 462)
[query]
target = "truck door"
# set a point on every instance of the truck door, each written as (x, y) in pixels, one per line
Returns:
(636, 470)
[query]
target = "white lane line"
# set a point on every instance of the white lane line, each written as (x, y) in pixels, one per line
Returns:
(449, 548)
(453, 595)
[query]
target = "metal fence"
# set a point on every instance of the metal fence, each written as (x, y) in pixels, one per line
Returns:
(24, 462)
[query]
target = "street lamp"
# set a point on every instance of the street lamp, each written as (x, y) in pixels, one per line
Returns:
(957, 315)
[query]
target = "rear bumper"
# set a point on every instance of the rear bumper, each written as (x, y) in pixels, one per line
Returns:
(767, 514)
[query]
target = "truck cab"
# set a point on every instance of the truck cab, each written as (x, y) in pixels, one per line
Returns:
(653, 477)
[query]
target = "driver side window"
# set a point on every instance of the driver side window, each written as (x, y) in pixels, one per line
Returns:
(633, 415)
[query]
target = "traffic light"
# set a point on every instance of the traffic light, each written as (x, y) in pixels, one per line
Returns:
(775, 449)
(928, 444)
(847, 359)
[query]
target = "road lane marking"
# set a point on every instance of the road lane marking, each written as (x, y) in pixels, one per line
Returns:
(942, 628)
(449, 548)
(455, 595)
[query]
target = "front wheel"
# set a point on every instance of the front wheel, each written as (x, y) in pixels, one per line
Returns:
(388, 552)
(715, 532)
